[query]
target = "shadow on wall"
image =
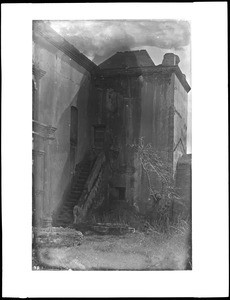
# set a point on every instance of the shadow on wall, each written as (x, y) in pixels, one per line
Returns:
(86, 103)
(65, 156)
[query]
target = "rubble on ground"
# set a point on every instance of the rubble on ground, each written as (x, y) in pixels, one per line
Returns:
(104, 228)
(56, 237)
(111, 228)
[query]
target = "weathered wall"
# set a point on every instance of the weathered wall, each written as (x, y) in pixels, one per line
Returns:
(64, 84)
(180, 121)
(153, 107)
(184, 186)
(134, 107)
(156, 123)
(120, 111)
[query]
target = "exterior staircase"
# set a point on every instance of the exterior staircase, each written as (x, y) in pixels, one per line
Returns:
(82, 172)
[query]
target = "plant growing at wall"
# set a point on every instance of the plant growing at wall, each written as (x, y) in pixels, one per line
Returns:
(153, 164)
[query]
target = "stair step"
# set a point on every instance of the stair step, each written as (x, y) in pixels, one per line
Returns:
(78, 187)
(83, 174)
(74, 195)
(81, 179)
(65, 218)
(80, 182)
(61, 223)
(85, 169)
(73, 202)
(77, 190)
(73, 198)
(68, 207)
(87, 164)
(66, 211)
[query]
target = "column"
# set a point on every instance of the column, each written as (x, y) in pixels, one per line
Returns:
(43, 135)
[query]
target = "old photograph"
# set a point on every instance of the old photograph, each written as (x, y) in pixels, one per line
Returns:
(112, 145)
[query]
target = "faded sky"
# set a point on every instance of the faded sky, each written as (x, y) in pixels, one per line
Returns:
(99, 40)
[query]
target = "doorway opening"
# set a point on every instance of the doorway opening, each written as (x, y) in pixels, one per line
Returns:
(99, 136)
(73, 136)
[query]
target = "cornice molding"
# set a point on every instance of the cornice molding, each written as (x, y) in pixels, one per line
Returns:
(37, 72)
(38, 192)
(177, 112)
(44, 131)
(144, 71)
(179, 142)
(38, 152)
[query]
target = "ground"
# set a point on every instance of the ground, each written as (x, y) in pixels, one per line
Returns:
(132, 251)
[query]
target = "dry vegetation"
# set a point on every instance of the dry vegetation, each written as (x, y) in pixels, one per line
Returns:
(150, 250)
(159, 240)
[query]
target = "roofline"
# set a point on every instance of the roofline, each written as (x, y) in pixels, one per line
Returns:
(124, 53)
(137, 71)
(50, 35)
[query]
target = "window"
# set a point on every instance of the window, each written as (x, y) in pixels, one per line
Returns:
(99, 136)
(74, 126)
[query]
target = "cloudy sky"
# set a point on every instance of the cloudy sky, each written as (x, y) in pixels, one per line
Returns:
(99, 40)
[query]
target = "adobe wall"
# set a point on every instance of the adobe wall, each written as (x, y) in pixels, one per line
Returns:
(64, 84)
(156, 126)
(157, 98)
(120, 110)
(134, 107)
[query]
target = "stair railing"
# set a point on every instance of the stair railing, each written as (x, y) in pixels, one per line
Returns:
(77, 171)
(92, 185)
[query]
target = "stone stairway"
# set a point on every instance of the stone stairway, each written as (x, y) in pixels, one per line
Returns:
(65, 215)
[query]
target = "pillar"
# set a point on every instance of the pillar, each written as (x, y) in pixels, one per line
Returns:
(43, 135)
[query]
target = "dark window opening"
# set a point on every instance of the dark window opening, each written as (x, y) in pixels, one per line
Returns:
(74, 126)
(99, 136)
(121, 191)
(34, 102)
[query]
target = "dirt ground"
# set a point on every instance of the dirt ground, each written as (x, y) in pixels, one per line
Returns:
(133, 251)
